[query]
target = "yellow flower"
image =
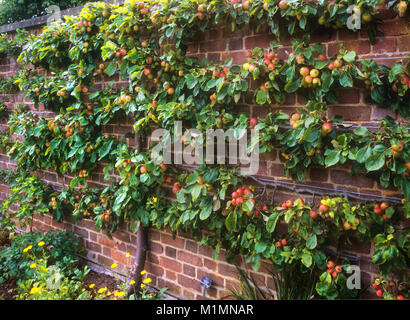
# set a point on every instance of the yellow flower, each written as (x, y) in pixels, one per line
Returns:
(28, 248)
(155, 199)
(132, 282)
(102, 290)
(108, 293)
(83, 290)
(33, 265)
(92, 286)
(35, 290)
(119, 294)
(143, 272)
(148, 280)
(127, 254)
(142, 285)
(113, 266)
(251, 188)
(41, 243)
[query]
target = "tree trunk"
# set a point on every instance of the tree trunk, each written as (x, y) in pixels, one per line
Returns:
(139, 263)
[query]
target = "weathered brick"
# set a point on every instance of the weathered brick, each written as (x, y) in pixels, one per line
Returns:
(170, 264)
(190, 258)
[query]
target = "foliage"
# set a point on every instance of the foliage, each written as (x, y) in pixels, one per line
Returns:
(16, 10)
(59, 248)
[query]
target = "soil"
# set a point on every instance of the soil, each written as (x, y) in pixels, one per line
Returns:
(8, 290)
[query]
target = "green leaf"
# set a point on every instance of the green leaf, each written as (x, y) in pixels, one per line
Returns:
(346, 80)
(112, 67)
(307, 258)
(230, 221)
(206, 212)
(349, 57)
(272, 221)
(332, 158)
(311, 242)
(375, 162)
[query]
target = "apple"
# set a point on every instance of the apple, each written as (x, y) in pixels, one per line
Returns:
(200, 15)
(289, 203)
(379, 292)
(253, 122)
(239, 200)
(283, 242)
(323, 208)
(384, 206)
(314, 73)
(201, 8)
(300, 59)
(235, 195)
(338, 63)
(252, 67)
(377, 209)
(304, 71)
(143, 170)
(330, 264)
(327, 127)
(313, 214)
(283, 4)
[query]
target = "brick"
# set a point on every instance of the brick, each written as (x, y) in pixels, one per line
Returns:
(210, 46)
(170, 275)
(350, 113)
(93, 246)
(170, 252)
(190, 258)
(346, 179)
(81, 232)
(189, 283)
(235, 44)
(262, 41)
(384, 45)
(403, 43)
(170, 264)
(106, 242)
(167, 239)
(189, 270)
(173, 288)
(395, 27)
(155, 247)
(318, 174)
(380, 113)
(119, 256)
(154, 269)
(191, 246)
(227, 270)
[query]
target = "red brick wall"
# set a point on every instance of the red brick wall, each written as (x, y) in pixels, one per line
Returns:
(180, 263)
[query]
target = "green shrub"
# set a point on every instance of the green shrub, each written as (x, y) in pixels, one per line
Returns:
(60, 247)
(16, 10)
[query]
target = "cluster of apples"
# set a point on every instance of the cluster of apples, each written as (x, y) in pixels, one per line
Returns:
(323, 209)
(397, 149)
(60, 93)
(106, 215)
(201, 9)
(83, 27)
(379, 209)
(379, 289)
(82, 174)
(123, 99)
(333, 269)
(280, 243)
(310, 77)
(241, 195)
(53, 203)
